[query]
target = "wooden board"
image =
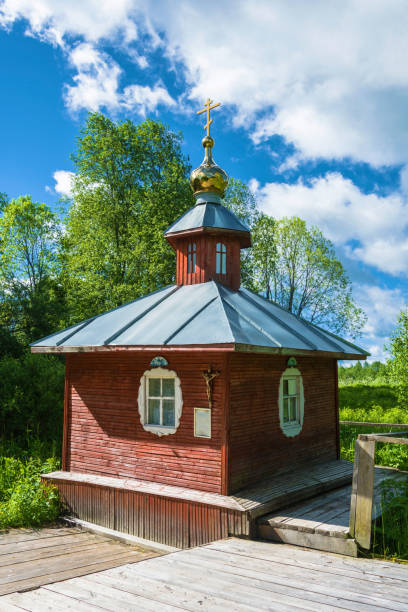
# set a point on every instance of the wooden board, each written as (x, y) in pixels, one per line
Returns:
(30, 558)
(239, 575)
(322, 522)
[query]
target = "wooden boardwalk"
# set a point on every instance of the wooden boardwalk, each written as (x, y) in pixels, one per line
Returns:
(234, 574)
(322, 522)
(30, 558)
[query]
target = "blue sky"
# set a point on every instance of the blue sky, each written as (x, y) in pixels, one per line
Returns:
(314, 115)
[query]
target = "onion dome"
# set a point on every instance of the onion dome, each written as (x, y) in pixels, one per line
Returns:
(208, 177)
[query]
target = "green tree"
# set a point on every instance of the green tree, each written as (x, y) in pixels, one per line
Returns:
(131, 183)
(296, 267)
(241, 201)
(30, 298)
(398, 363)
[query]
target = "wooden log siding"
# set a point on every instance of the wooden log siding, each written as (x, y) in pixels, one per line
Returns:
(181, 523)
(257, 445)
(104, 432)
(206, 260)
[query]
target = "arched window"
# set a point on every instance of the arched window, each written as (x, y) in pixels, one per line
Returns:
(160, 401)
(221, 258)
(191, 257)
(291, 402)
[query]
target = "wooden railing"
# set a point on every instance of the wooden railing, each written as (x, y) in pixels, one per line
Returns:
(361, 505)
(366, 423)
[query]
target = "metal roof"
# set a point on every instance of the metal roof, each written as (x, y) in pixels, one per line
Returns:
(207, 214)
(205, 314)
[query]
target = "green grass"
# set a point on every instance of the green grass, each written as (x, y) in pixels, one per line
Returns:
(376, 402)
(24, 500)
(390, 532)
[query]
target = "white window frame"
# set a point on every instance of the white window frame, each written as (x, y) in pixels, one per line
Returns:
(159, 430)
(292, 428)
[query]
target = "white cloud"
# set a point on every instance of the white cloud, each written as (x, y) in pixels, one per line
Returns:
(330, 76)
(146, 98)
(63, 182)
(97, 85)
(91, 19)
(371, 228)
(382, 307)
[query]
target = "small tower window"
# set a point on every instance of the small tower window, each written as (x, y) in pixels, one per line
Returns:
(221, 258)
(191, 257)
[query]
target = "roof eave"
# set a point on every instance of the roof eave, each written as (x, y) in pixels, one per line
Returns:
(243, 236)
(226, 347)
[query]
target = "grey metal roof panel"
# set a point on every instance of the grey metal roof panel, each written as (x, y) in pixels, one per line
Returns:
(203, 314)
(99, 329)
(207, 215)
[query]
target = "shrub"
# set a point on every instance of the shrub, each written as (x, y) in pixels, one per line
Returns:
(24, 500)
(390, 537)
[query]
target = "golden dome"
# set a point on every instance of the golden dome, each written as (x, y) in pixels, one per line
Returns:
(208, 176)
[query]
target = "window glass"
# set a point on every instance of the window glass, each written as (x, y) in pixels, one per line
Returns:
(154, 387)
(154, 412)
(191, 257)
(168, 387)
(221, 258)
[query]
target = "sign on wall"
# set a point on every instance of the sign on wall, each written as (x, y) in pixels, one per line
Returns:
(202, 422)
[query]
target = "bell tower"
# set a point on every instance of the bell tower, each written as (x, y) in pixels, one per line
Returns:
(208, 238)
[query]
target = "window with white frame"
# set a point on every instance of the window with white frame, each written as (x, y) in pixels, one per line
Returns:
(160, 401)
(291, 402)
(221, 258)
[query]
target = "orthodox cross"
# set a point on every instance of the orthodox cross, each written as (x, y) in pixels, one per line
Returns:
(209, 376)
(207, 108)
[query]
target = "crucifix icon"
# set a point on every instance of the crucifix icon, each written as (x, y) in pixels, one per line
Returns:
(207, 108)
(209, 374)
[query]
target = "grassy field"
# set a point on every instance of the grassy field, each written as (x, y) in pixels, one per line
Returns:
(376, 401)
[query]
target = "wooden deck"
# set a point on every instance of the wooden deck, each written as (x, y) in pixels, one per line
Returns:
(234, 574)
(181, 517)
(323, 521)
(289, 487)
(30, 558)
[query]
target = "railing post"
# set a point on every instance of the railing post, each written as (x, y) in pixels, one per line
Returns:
(361, 505)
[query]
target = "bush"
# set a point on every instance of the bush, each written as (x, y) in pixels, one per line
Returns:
(31, 397)
(390, 537)
(24, 500)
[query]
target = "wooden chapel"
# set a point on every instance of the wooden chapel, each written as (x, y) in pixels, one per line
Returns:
(183, 407)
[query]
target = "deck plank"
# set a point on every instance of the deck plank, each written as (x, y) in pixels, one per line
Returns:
(232, 574)
(32, 558)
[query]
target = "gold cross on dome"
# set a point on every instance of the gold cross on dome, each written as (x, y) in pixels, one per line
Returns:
(207, 108)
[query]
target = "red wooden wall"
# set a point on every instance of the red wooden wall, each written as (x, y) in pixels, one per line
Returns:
(103, 430)
(257, 446)
(104, 435)
(206, 260)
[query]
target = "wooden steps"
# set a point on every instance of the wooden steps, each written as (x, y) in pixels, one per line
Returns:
(286, 488)
(322, 522)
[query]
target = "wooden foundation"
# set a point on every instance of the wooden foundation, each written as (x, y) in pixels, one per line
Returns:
(182, 517)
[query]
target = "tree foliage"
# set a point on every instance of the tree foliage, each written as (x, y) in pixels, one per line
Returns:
(131, 184)
(297, 267)
(398, 363)
(31, 298)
